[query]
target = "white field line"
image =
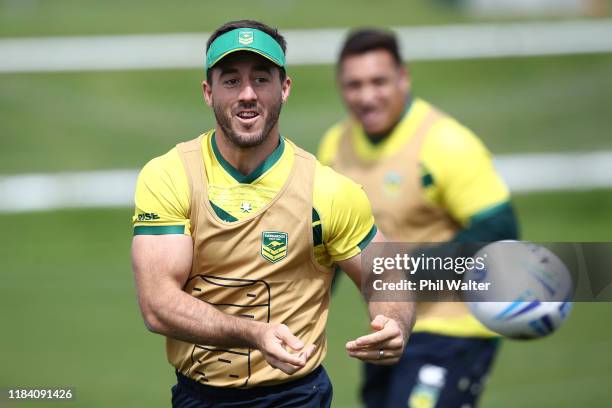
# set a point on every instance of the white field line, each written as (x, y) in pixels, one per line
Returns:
(115, 188)
(186, 50)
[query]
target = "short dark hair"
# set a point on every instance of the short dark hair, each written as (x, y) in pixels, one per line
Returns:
(365, 40)
(232, 25)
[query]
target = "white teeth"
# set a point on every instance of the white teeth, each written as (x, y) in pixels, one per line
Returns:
(247, 115)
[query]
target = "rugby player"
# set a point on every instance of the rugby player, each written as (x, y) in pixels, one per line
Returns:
(429, 179)
(236, 234)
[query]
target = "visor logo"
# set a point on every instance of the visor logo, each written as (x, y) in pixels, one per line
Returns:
(245, 37)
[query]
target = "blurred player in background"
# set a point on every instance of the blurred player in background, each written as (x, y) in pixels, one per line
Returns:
(429, 179)
(236, 233)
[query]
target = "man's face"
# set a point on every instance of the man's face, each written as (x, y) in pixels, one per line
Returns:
(246, 95)
(374, 89)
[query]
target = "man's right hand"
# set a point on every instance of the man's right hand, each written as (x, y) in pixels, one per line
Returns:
(273, 340)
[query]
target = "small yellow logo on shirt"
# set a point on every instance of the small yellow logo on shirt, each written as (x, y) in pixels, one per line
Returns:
(392, 183)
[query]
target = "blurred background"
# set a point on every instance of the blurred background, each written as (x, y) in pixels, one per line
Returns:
(91, 90)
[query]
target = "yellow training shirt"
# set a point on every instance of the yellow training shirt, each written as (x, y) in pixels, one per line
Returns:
(457, 177)
(462, 190)
(342, 218)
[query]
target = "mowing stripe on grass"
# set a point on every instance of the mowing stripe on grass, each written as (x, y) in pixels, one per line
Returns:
(306, 47)
(115, 188)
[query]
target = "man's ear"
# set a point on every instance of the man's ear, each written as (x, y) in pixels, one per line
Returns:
(207, 92)
(285, 89)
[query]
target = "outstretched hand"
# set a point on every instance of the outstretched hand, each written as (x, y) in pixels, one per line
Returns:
(384, 346)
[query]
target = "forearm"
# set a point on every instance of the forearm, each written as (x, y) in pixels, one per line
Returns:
(391, 322)
(500, 225)
(161, 266)
(181, 316)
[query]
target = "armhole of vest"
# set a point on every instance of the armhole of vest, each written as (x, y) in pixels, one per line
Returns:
(343, 129)
(347, 131)
(312, 160)
(432, 118)
(313, 259)
(187, 149)
(345, 139)
(298, 151)
(429, 122)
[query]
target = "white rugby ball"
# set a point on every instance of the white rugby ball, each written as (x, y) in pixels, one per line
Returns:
(530, 290)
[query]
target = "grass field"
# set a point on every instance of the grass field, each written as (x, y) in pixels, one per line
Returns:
(69, 17)
(70, 316)
(83, 17)
(122, 119)
(67, 295)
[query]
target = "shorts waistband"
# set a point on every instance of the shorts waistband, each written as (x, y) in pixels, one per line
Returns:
(202, 391)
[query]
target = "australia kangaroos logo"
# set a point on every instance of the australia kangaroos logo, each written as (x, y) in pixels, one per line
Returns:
(274, 245)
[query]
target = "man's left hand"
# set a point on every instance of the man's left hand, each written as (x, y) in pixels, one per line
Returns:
(384, 346)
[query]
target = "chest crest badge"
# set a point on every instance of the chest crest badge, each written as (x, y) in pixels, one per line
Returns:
(392, 183)
(274, 245)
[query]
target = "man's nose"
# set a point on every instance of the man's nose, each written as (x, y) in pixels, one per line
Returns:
(367, 95)
(247, 93)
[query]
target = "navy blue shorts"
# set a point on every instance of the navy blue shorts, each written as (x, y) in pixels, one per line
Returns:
(311, 391)
(435, 371)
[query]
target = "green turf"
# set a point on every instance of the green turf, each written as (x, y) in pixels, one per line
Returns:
(70, 316)
(122, 119)
(566, 216)
(70, 17)
(84, 17)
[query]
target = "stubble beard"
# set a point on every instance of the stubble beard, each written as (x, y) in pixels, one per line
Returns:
(245, 142)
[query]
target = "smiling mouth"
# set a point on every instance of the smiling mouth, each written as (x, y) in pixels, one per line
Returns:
(247, 115)
(369, 114)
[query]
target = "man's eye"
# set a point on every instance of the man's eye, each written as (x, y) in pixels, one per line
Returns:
(230, 82)
(261, 80)
(380, 81)
(353, 85)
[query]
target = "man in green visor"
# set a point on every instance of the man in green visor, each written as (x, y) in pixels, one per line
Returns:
(236, 235)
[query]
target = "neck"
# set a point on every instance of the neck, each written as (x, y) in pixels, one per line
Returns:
(245, 160)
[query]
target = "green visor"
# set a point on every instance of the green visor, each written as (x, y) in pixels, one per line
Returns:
(245, 39)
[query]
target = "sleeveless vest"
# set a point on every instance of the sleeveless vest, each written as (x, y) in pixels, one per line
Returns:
(260, 268)
(394, 188)
(400, 207)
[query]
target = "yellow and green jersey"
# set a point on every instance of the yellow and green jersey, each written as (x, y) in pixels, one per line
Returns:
(456, 169)
(342, 220)
(429, 180)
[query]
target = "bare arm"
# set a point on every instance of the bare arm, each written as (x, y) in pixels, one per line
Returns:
(162, 264)
(391, 321)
